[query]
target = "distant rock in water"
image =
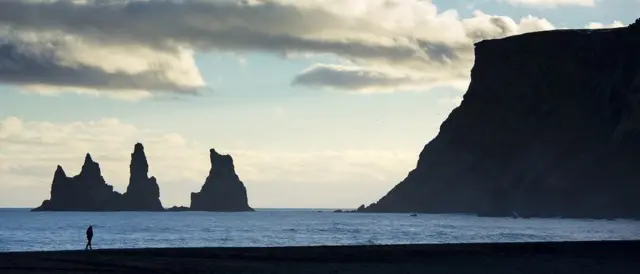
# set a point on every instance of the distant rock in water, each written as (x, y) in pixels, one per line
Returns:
(143, 193)
(86, 191)
(549, 127)
(178, 208)
(222, 190)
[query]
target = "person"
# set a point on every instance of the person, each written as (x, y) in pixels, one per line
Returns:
(89, 237)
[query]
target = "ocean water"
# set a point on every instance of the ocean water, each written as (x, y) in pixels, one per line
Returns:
(24, 230)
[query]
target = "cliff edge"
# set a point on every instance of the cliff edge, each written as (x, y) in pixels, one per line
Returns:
(549, 127)
(222, 190)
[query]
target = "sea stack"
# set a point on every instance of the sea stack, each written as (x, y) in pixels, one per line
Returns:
(86, 191)
(143, 193)
(549, 127)
(222, 190)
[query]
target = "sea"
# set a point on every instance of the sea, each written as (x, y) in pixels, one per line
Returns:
(22, 230)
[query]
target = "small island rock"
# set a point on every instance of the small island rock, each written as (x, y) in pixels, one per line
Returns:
(143, 193)
(222, 190)
(86, 191)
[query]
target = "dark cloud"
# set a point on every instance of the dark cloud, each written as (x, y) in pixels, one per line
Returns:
(371, 80)
(426, 42)
(19, 67)
(224, 25)
(339, 77)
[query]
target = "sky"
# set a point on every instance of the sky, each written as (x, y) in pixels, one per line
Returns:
(321, 103)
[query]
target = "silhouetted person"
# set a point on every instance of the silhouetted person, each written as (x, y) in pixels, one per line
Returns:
(89, 237)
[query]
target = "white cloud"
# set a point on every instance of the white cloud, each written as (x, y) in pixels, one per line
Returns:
(445, 62)
(597, 25)
(450, 101)
(30, 151)
(149, 45)
(146, 47)
(55, 62)
(551, 3)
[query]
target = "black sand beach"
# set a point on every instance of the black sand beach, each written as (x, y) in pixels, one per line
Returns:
(607, 257)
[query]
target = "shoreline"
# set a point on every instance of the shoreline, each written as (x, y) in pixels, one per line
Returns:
(583, 257)
(312, 210)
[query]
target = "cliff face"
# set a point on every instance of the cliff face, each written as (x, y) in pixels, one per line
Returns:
(143, 193)
(86, 191)
(549, 126)
(222, 190)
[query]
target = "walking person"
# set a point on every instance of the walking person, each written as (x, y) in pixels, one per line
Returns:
(89, 237)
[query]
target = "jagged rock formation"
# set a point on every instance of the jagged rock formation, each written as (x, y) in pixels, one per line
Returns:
(550, 126)
(222, 190)
(143, 193)
(86, 191)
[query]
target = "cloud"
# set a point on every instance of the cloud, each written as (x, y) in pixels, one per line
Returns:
(366, 80)
(448, 63)
(149, 46)
(30, 151)
(163, 27)
(551, 3)
(63, 66)
(453, 100)
(597, 25)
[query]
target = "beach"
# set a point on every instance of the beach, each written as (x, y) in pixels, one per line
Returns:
(608, 257)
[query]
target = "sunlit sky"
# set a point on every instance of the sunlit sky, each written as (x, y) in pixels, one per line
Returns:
(321, 103)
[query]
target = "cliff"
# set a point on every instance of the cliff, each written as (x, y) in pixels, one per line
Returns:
(143, 193)
(86, 191)
(222, 190)
(549, 127)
